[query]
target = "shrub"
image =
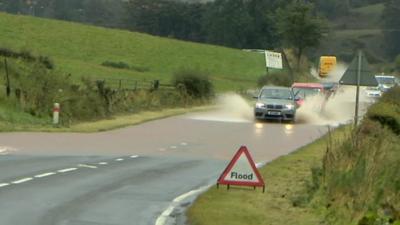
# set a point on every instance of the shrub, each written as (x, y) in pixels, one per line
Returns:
(194, 83)
(387, 110)
(123, 65)
(118, 65)
(275, 78)
(27, 56)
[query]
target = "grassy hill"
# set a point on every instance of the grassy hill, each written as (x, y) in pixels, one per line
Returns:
(80, 50)
(361, 28)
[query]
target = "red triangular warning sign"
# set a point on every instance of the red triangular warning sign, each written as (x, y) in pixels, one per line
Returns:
(241, 171)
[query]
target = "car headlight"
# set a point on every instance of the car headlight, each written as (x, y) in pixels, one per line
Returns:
(260, 105)
(289, 106)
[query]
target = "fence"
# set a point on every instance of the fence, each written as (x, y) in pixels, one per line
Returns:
(132, 84)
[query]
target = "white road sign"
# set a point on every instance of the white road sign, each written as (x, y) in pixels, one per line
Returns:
(273, 60)
(242, 171)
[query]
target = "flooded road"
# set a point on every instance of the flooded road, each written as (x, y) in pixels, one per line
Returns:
(182, 135)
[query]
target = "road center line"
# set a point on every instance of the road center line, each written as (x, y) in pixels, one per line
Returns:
(134, 156)
(103, 163)
(67, 170)
(87, 166)
(45, 175)
(22, 180)
(119, 160)
(4, 184)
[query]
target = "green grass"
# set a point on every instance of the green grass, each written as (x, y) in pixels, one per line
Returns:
(81, 49)
(285, 179)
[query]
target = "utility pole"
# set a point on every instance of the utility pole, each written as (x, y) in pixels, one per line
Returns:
(358, 87)
(8, 86)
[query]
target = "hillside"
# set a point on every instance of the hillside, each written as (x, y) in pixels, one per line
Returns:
(80, 50)
(361, 28)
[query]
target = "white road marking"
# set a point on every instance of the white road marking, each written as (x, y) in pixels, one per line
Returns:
(134, 156)
(119, 160)
(103, 163)
(173, 147)
(4, 184)
(87, 166)
(45, 175)
(162, 219)
(184, 144)
(22, 180)
(162, 149)
(67, 170)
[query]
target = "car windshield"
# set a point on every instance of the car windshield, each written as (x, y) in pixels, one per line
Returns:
(305, 92)
(385, 80)
(373, 88)
(276, 94)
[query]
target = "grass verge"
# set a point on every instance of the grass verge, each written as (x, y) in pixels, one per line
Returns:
(101, 125)
(285, 178)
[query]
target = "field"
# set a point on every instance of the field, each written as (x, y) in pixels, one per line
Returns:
(80, 50)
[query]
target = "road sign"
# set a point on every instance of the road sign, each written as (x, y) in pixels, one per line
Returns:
(273, 60)
(367, 77)
(241, 171)
(358, 74)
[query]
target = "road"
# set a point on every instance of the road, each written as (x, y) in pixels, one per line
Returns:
(131, 175)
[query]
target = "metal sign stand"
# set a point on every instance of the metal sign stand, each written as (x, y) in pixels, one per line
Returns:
(358, 74)
(358, 87)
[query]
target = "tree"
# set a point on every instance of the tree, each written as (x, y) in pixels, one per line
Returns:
(299, 28)
(391, 21)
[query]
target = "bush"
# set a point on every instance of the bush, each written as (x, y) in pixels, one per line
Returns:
(123, 65)
(27, 56)
(118, 65)
(386, 111)
(193, 83)
(275, 78)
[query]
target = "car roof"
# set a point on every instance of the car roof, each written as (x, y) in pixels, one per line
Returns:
(275, 87)
(308, 85)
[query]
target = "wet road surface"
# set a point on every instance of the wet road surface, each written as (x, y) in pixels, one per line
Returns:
(172, 136)
(131, 175)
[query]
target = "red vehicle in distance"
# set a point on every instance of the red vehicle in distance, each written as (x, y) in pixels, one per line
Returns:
(302, 91)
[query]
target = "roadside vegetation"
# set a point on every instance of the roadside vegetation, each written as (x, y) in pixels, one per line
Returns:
(359, 182)
(349, 176)
(28, 99)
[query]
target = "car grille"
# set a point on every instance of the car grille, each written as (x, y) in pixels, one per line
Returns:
(274, 106)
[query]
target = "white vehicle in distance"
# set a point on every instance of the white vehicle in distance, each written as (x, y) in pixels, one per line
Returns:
(373, 92)
(385, 82)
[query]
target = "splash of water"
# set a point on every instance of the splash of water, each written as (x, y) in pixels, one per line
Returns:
(338, 109)
(231, 108)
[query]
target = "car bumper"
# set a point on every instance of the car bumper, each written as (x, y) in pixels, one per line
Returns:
(274, 114)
